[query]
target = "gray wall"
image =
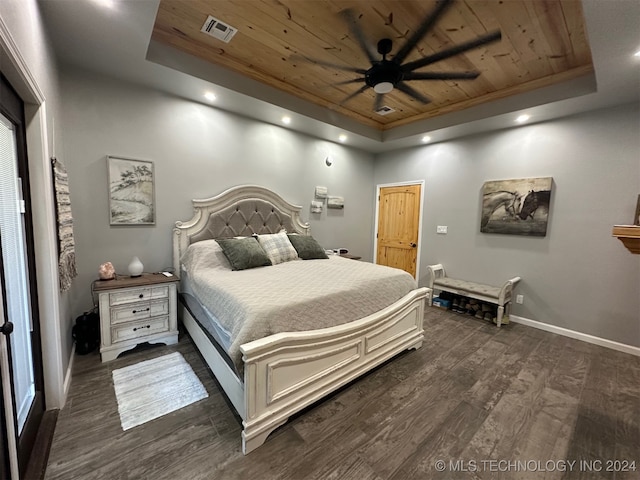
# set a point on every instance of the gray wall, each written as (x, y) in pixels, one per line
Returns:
(198, 151)
(577, 277)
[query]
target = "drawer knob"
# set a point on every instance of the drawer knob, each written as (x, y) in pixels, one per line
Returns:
(135, 329)
(138, 311)
(141, 295)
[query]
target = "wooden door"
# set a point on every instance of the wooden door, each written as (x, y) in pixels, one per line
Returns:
(398, 227)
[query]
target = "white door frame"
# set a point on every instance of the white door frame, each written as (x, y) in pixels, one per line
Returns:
(375, 233)
(17, 72)
(19, 75)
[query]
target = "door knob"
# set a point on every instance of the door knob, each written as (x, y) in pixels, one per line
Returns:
(7, 328)
(414, 245)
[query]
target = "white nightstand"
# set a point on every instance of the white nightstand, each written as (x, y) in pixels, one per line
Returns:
(135, 310)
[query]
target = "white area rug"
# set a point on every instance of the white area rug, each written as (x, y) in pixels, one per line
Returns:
(153, 388)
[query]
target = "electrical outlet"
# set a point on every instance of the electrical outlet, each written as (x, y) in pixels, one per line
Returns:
(520, 299)
(441, 229)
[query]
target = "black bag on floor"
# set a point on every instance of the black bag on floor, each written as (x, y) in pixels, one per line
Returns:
(86, 332)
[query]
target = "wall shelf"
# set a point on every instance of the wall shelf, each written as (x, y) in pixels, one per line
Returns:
(629, 235)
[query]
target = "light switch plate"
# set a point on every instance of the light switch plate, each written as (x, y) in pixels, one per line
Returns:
(441, 229)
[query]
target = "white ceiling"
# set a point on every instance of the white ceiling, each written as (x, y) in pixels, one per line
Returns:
(115, 41)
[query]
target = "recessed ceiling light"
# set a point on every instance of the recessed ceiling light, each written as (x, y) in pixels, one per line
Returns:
(210, 96)
(426, 139)
(286, 120)
(522, 118)
(342, 138)
(105, 3)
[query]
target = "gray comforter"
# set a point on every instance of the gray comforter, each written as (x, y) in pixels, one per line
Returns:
(294, 296)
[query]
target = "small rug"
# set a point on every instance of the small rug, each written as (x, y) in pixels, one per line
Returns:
(153, 388)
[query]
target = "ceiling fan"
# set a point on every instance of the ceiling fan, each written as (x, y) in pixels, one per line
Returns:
(386, 75)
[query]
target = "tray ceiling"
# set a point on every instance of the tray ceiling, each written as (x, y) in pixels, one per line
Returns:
(304, 47)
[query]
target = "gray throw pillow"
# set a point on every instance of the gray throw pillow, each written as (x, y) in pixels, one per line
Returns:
(244, 253)
(307, 247)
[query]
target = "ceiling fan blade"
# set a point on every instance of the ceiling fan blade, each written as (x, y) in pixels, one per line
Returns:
(346, 68)
(422, 30)
(440, 75)
(356, 31)
(455, 50)
(377, 104)
(354, 94)
(412, 93)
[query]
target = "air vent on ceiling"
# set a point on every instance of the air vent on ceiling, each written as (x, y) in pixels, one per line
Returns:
(218, 29)
(385, 110)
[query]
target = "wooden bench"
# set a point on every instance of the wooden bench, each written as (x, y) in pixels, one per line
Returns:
(500, 296)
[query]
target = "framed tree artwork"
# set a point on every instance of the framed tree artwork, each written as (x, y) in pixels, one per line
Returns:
(131, 191)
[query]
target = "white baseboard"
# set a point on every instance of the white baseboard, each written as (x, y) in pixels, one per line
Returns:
(67, 376)
(603, 342)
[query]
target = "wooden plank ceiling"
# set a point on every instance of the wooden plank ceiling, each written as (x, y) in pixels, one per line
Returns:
(292, 44)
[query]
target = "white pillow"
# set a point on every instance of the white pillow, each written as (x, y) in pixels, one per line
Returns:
(278, 247)
(205, 254)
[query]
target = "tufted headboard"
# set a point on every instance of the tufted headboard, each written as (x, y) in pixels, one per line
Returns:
(238, 211)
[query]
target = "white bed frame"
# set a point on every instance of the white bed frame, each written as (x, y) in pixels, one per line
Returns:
(285, 372)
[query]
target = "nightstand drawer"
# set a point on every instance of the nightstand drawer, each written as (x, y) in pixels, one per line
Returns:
(138, 294)
(138, 311)
(132, 330)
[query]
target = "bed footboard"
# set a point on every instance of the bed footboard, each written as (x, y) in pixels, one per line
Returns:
(289, 371)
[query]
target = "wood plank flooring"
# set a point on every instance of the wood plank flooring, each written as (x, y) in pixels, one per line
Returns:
(509, 403)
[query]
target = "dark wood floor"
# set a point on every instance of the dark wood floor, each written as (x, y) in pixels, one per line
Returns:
(513, 403)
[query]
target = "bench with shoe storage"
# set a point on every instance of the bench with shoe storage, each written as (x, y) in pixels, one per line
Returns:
(498, 296)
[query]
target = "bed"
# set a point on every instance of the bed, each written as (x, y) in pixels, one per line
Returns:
(269, 378)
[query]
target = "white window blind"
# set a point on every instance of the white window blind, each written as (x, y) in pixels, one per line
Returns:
(15, 272)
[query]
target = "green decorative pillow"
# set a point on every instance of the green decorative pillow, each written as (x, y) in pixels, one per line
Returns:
(244, 253)
(307, 247)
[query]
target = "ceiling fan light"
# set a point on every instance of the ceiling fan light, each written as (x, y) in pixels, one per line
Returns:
(383, 87)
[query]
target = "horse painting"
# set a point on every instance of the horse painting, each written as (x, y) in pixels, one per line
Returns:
(533, 201)
(494, 200)
(518, 206)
